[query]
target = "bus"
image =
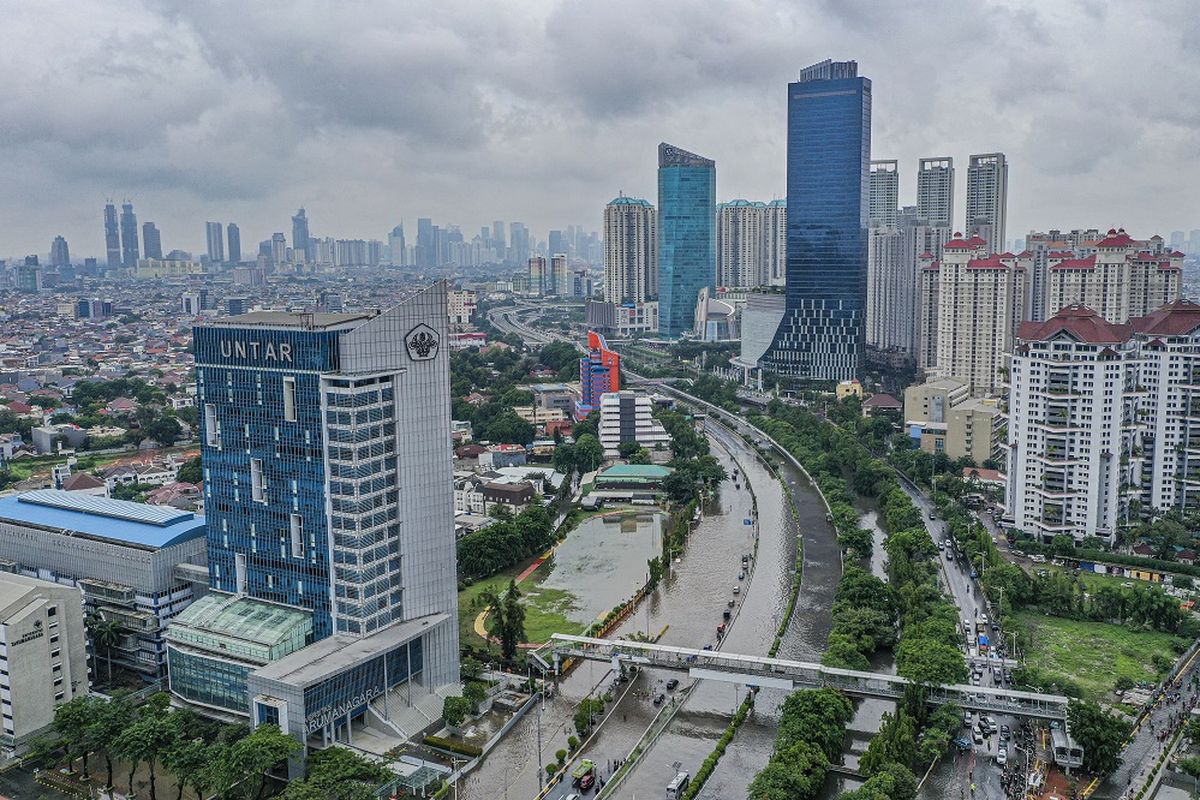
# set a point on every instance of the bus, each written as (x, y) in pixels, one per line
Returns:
(678, 786)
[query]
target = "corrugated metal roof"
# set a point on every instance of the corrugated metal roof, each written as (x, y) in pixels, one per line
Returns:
(101, 517)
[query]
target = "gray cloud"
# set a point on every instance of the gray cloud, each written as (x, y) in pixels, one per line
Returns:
(542, 110)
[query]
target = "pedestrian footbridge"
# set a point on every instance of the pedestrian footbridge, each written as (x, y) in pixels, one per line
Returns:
(778, 673)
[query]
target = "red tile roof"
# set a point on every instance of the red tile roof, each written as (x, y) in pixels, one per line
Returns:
(1174, 319)
(1076, 263)
(1116, 239)
(1080, 323)
(959, 243)
(991, 262)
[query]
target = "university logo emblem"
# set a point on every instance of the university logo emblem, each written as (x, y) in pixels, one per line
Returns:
(421, 343)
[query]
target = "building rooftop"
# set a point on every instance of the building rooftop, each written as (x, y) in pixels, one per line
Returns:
(289, 319)
(1077, 321)
(1173, 319)
(103, 518)
(653, 471)
(245, 618)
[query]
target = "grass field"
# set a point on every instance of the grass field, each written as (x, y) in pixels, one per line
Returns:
(545, 609)
(1093, 654)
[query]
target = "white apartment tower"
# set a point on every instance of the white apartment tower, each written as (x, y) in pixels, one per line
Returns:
(1070, 405)
(630, 251)
(751, 240)
(884, 194)
(1121, 278)
(980, 300)
(891, 291)
(987, 199)
(935, 191)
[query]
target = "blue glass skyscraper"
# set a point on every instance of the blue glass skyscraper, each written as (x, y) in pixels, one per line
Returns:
(820, 338)
(687, 235)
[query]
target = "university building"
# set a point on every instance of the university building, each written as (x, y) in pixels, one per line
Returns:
(329, 520)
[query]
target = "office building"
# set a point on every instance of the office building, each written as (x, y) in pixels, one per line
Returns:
(821, 338)
(628, 417)
(987, 199)
(129, 236)
(29, 276)
(560, 275)
(136, 564)
(332, 566)
(751, 243)
(216, 242)
(151, 240)
(278, 249)
(518, 238)
(941, 417)
(302, 250)
(1068, 407)
(112, 236)
(884, 194)
(461, 307)
(630, 251)
(396, 246)
(599, 373)
(687, 239)
(980, 300)
(43, 660)
(1120, 279)
(556, 242)
(60, 253)
(935, 191)
(539, 280)
(235, 243)
(623, 320)
(193, 302)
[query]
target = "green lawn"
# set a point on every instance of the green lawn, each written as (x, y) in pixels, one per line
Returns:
(545, 609)
(1093, 654)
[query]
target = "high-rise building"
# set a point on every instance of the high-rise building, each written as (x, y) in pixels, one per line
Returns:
(151, 240)
(498, 237)
(891, 291)
(628, 416)
(630, 250)
(518, 238)
(687, 236)
(332, 567)
(980, 300)
(751, 243)
(539, 281)
(129, 236)
(426, 247)
(1194, 242)
(556, 242)
(112, 236)
(599, 373)
(560, 275)
(235, 243)
(278, 248)
(1121, 278)
(987, 199)
(935, 191)
(301, 248)
(397, 247)
(821, 336)
(216, 241)
(884, 197)
(60, 253)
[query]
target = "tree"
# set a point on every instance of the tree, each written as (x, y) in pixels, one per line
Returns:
(1101, 735)
(164, 430)
(151, 735)
(793, 773)
(892, 782)
(589, 453)
(73, 722)
(475, 693)
(627, 449)
(186, 759)
(506, 620)
(191, 471)
(106, 728)
(895, 743)
(258, 753)
(455, 710)
(336, 773)
(106, 635)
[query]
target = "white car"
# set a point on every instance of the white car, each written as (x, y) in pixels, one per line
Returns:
(1002, 756)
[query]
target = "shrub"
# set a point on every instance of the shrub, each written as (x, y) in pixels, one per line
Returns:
(462, 748)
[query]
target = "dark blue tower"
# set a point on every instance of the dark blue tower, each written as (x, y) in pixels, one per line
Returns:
(821, 336)
(687, 236)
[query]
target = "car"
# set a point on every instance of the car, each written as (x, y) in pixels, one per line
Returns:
(974, 679)
(1005, 730)
(659, 698)
(942, 545)
(949, 556)
(587, 781)
(737, 590)
(974, 574)
(674, 682)
(967, 719)
(741, 576)
(962, 743)
(933, 515)
(977, 736)
(1002, 756)
(572, 796)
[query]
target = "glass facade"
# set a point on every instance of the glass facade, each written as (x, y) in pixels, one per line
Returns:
(821, 336)
(208, 681)
(348, 692)
(687, 236)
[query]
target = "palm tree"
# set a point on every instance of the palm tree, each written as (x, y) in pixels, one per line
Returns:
(106, 634)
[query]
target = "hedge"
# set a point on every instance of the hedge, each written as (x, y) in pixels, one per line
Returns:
(462, 748)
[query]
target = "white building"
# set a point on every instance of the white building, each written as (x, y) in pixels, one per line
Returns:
(979, 301)
(461, 307)
(627, 417)
(1070, 406)
(43, 653)
(883, 200)
(891, 291)
(987, 199)
(1121, 278)
(630, 251)
(935, 191)
(751, 243)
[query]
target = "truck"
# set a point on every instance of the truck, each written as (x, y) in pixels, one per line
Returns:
(981, 624)
(585, 767)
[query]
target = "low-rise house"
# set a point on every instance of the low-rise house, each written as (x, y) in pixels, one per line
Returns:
(513, 496)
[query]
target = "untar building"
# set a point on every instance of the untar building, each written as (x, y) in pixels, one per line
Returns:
(329, 521)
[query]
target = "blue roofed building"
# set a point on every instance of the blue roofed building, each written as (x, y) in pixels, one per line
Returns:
(137, 564)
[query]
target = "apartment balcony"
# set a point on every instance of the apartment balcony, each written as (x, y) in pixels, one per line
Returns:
(1054, 526)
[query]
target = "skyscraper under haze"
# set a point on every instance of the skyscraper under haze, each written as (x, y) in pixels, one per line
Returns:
(821, 336)
(151, 240)
(129, 236)
(112, 236)
(301, 249)
(630, 259)
(216, 242)
(687, 235)
(935, 191)
(987, 199)
(235, 243)
(60, 253)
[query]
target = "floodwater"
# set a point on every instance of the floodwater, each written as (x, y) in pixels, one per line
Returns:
(603, 562)
(18, 784)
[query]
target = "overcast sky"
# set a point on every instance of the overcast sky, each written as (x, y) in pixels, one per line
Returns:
(369, 113)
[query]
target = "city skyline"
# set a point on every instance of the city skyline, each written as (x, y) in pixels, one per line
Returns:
(377, 161)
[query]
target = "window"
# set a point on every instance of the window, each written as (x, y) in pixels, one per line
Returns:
(289, 398)
(239, 568)
(212, 429)
(297, 532)
(257, 484)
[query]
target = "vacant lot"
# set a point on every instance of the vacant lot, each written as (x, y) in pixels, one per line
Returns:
(1094, 654)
